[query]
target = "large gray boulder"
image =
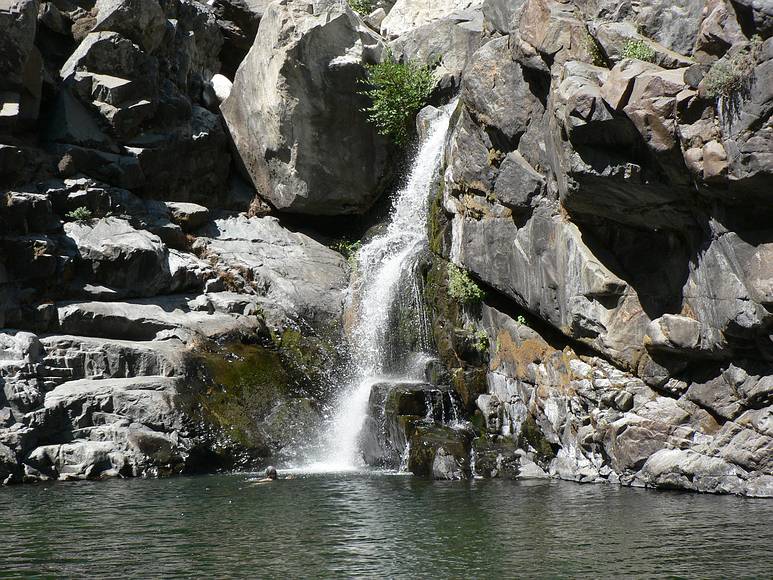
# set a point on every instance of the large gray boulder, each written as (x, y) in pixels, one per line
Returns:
(69, 357)
(499, 15)
(120, 256)
(672, 24)
(408, 14)
(296, 115)
(147, 399)
(20, 62)
(495, 91)
(73, 407)
(110, 53)
(142, 21)
(122, 426)
(447, 43)
(258, 255)
(150, 318)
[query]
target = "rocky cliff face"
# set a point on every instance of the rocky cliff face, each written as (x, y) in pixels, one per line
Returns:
(606, 180)
(621, 209)
(155, 319)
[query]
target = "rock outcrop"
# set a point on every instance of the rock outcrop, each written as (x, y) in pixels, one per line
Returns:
(124, 375)
(607, 199)
(301, 133)
(149, 326)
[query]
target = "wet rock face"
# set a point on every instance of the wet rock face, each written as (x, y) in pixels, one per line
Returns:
(395, 411)
(440, 453)
(302, 135)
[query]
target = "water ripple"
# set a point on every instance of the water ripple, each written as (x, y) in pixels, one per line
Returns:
(375, 525)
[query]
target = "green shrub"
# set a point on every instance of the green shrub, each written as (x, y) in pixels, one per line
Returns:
(729, 75)
(349, 250)
(79, 214)
(594, 51)
(480, 342)
(723, 79)
(521, 320)
(461, 287)
(638, 49)
(362, 6)
(398, 91)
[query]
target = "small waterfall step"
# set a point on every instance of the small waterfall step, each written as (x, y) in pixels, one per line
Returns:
(428, 368)
(413, 425)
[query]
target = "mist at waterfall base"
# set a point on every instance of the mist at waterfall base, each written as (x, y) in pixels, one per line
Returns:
(384, 265)
(375, 525)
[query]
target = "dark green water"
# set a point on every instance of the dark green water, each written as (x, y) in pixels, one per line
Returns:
(375, 525)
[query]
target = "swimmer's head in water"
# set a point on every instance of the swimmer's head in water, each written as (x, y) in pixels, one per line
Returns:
(271, 472)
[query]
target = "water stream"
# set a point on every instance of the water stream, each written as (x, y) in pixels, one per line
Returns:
(382, 264)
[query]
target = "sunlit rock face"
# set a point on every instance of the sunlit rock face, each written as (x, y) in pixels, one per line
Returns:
(300, 130)
(150, 327)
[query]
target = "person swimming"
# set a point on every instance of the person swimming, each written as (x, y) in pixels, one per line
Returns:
(270, 475)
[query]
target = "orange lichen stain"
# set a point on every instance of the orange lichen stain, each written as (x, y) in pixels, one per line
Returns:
(688, 311)
(520, 354)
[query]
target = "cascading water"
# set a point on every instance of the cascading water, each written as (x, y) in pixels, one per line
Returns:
(381, 265)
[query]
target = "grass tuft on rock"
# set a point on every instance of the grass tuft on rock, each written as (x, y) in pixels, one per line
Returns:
(639, 50)
(480, 343)
(398, 92)
(79, 214)
(594, 51)
(349, 250)
(362, 6)
(462, 288)
(730, 75)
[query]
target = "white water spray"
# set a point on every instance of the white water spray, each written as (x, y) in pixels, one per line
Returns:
(381, 263)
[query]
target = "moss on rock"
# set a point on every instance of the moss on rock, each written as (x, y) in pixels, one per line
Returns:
(437, 222)
(244, 383)
(307, 360)
(531, 434)
(427, 440)
(496, 457)
(456, 344)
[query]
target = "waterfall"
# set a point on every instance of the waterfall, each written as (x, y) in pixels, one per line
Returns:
(381, 263)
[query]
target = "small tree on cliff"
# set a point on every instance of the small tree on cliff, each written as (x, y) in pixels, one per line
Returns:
(398, 91)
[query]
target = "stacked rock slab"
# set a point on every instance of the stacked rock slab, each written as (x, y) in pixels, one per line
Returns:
(134, 289)
(108, 383)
